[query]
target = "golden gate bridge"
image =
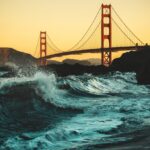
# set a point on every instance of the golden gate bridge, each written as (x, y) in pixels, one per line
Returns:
(106, 34)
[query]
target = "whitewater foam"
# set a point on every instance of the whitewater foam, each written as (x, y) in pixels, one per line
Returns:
(111, 104)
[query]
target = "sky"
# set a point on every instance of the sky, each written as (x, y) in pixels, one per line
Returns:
(64, 20)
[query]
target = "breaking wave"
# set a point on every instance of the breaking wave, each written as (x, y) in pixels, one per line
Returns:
(74, 112)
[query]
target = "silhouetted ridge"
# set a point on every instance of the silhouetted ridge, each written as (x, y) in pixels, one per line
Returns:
(16, 57)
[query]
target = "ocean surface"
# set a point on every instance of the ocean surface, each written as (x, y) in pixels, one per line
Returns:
(47, 112)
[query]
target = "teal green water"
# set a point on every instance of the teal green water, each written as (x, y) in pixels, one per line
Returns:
(46, 112)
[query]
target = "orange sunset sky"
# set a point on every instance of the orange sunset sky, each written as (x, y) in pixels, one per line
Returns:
(64, 20)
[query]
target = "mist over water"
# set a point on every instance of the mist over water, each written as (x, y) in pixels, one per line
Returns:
(74, 112)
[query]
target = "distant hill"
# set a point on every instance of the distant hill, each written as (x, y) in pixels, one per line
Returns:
(23, 59)
(14, 57)
(87, 62)
(53, 62)
(76, 67)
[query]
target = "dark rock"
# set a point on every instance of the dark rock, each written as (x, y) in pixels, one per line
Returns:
(135, 61)
(132, 61)
(77, 69)
(143, 75)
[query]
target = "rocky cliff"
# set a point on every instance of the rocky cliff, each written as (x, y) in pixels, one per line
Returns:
(135, 61)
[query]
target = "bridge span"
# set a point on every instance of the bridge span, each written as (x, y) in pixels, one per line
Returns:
(78, 52)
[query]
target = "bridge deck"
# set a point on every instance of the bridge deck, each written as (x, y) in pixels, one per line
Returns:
(77, 52)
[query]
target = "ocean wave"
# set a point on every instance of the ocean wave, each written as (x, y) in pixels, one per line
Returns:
(49, 112)
(118, 83)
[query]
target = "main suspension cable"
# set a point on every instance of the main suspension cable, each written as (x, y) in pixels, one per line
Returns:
(123, 32)
(51, 48)
(86, 31)
(127, 27)
(53, 44)
(90, 35)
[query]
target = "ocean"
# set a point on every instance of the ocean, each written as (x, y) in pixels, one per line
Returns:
(86, 112)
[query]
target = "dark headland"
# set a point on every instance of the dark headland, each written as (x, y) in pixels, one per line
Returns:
(133, 61)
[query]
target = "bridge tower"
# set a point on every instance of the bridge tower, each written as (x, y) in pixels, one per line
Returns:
(106, 34)
(43, 48)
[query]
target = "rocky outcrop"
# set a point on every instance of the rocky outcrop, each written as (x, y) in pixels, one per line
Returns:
(11, 56)
(143, 75)
(135, 61)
